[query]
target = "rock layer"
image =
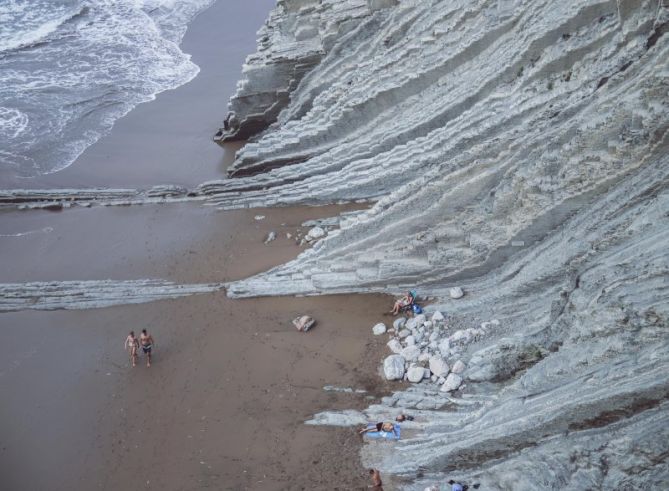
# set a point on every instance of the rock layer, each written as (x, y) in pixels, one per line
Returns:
(517, 150)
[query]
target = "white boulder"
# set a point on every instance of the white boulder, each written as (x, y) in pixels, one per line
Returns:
(456, 292)
(411, 353)
(452, 382)
(410, 340)
(438, 366)
(399, 323)
(424, 357)
(444, 347)
(395, 346)
(379, 329)
(393, 367)
(437, 316)
(315, 233)
(404, 333)
(458, 367)
(415, 374)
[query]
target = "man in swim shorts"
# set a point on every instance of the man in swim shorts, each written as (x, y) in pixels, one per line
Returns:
(146, 342)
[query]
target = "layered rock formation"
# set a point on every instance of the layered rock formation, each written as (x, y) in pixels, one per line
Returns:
(517, 149)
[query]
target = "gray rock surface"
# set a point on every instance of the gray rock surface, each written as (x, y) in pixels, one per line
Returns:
(393, 367)
(519, 150)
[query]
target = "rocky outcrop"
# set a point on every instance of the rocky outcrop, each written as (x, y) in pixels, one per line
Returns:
(75, 295)
(295, 38)
(516, 150)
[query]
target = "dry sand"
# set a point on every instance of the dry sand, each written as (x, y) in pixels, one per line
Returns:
(224, 403)
(232, 382)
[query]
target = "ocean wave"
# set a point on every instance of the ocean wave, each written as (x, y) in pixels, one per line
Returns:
(71, 82)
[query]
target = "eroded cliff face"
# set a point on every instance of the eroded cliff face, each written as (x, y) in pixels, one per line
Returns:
(517, 149)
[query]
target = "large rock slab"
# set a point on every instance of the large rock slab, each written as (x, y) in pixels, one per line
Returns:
(393, 367)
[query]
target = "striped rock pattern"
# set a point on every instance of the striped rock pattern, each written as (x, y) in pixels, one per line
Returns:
(518, 149)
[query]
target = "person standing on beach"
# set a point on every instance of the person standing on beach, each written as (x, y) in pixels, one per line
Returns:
(146, 340)
(131, 344)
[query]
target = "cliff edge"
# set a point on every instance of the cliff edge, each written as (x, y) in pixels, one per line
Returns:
(518, 150)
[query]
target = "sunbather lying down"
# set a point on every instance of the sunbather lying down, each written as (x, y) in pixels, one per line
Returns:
(405, 301)
(387, 427)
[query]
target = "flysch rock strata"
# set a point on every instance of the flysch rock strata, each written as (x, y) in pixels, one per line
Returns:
(518, 150)
(293, 40)
(55, 199)
(74, 295)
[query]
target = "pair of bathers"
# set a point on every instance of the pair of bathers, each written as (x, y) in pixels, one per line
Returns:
(147, 348)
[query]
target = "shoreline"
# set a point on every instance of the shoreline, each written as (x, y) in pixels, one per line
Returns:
(184, 422)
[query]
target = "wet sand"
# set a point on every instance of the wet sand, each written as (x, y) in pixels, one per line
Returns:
(232, 382)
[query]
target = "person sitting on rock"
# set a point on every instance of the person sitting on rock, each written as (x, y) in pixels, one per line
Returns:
(387, 427)
(403, 302)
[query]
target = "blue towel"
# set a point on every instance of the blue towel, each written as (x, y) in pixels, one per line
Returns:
(388, 435)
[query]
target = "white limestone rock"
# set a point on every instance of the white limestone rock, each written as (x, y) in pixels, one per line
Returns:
(399, 323)
(456, 292)
(410, 340)
(437, 316)
(315, 234)
(393, 367)
(379, 329)
(451, 383)
(404, 333)
(395, 345)
(411, 353)
(438, 366)
(415, 374)
(458, 367)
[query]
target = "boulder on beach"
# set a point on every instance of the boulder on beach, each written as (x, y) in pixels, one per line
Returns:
(452, 382)
(458, 367)
(415, 374)
(438, 366)
(393, 367)
(411, 353)
(395, 345)
(456, 292)
(379, 329)
(399, 323)
(314, 234)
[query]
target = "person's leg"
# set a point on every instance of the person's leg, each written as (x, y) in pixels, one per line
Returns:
(133, 355)
(148, 359)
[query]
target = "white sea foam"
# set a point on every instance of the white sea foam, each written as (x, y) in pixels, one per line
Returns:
(76, 66)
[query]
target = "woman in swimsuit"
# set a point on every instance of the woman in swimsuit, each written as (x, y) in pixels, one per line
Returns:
(131, 344)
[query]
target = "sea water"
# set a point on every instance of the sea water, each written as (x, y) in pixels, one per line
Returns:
(70, 68)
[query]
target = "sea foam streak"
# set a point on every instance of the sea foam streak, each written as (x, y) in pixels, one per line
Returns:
(70, 68)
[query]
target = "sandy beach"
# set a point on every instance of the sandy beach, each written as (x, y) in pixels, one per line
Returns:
(224, 404)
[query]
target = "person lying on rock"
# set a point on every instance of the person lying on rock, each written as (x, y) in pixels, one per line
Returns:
(403, 417)
(387, 427)
(405, 301)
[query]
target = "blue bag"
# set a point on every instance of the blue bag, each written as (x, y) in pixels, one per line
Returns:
(417, 309)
